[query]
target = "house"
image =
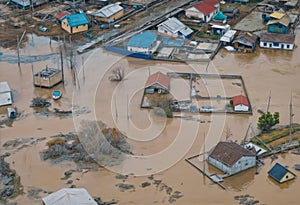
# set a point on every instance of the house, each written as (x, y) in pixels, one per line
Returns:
(158, 82)
(202, 10)
(280, 25)
(277, 41)
(174, 28)
(291, 4)
(231, 158)
(75, 23)
(108, 13)
(60, 16)
(69, 196)
(228, 37)
(240, 103)
(5, 94)
(219, 29)
(280, 173)
(47, 77)
(26, 4)
(245, 42)
(144, 42)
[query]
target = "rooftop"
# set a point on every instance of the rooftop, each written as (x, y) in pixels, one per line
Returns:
(173, 25)
(278, 171)
(108, 11)
(229, 152)
(276, 37)
(159, 78)
(205, 8)
(142, 40)
(4, 87)
(77, 19)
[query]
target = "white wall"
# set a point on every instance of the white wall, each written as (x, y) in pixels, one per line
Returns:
(241, 107)
(280, 46)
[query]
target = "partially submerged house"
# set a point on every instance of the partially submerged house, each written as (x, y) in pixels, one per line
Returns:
(245, 42)
(69, 196)
(219, 29)
(281, 174)
(108, 13)
(231, 158)
(157, 82)
(5, 94)
(202, 10)
(174, 28)
(240, 103)
(279, 24)
(48, 77)
(277, 41)
(26, 4)
(75, 23)
(145, 42)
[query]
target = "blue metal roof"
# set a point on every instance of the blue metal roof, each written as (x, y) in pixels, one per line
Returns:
(77, 19)
(278, 171)
(142, 40)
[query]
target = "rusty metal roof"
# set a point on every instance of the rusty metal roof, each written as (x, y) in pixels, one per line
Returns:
(229, 152)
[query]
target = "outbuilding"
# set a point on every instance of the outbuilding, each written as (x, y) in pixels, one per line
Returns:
(158, 82)
(48, 77)
(281, 174)
(109, 13)
(202, 10)
(231, 158)
(5, 94)
(245, 42)
(240, 103)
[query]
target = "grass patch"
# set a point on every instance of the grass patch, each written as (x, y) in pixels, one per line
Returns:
(202, 34)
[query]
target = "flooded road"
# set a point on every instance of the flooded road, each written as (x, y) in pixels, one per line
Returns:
(159, 145)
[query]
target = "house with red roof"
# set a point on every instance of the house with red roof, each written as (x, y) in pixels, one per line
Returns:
(240, 103)
(157, 82)
(204, 10)
(60, 16)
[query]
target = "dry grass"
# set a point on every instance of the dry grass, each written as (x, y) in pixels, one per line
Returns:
(55, 141)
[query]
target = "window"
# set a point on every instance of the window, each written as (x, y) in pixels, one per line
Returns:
(287, 46)
(276, 44)
(246, 164)
(265, 44)
(286, 176)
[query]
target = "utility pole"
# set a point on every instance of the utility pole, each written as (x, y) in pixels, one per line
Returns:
(269, 102)
(291, 118)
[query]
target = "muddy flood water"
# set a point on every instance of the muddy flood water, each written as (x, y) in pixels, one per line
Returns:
(159, 145)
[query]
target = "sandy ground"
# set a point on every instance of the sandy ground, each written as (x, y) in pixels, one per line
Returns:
(159, 145)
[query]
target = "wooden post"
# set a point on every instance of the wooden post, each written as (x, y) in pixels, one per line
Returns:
(269, 102)
(18, 50)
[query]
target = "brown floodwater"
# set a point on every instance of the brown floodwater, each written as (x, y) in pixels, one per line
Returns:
(159, 145)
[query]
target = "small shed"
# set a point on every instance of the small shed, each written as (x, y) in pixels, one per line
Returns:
(144, 42)
(228, 37)
(158, 82)
(75, 23)
(231, 158)
(240, 103)
(5, 94)
(220, 17)
(245, 42)
(281, 25)
(280, 173)
(48, 77)
(220, 29)
(230, 12)
(69, 196)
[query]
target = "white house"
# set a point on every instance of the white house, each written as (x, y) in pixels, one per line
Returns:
(228, 37)
(204, 10)
(277, 41)
(231, 158)
(174, 28)
(240, 103)
(5, 94)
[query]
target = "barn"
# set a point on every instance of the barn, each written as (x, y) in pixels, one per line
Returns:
(231, 158)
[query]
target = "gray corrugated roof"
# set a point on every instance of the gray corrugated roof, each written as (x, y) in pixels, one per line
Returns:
(4, 87)
(108, 10)
(173, 25)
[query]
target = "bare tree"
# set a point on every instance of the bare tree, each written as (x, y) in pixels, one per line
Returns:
(228, 133)
(117, 74)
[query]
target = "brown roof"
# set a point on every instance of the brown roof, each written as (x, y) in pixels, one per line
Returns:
(240, 99)
(62, 14)
(286, 20)
(250, 37)
(277, 37)
(159, 78)
(229, 152)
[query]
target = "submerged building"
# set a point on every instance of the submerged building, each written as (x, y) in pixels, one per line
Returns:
(48, 77)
